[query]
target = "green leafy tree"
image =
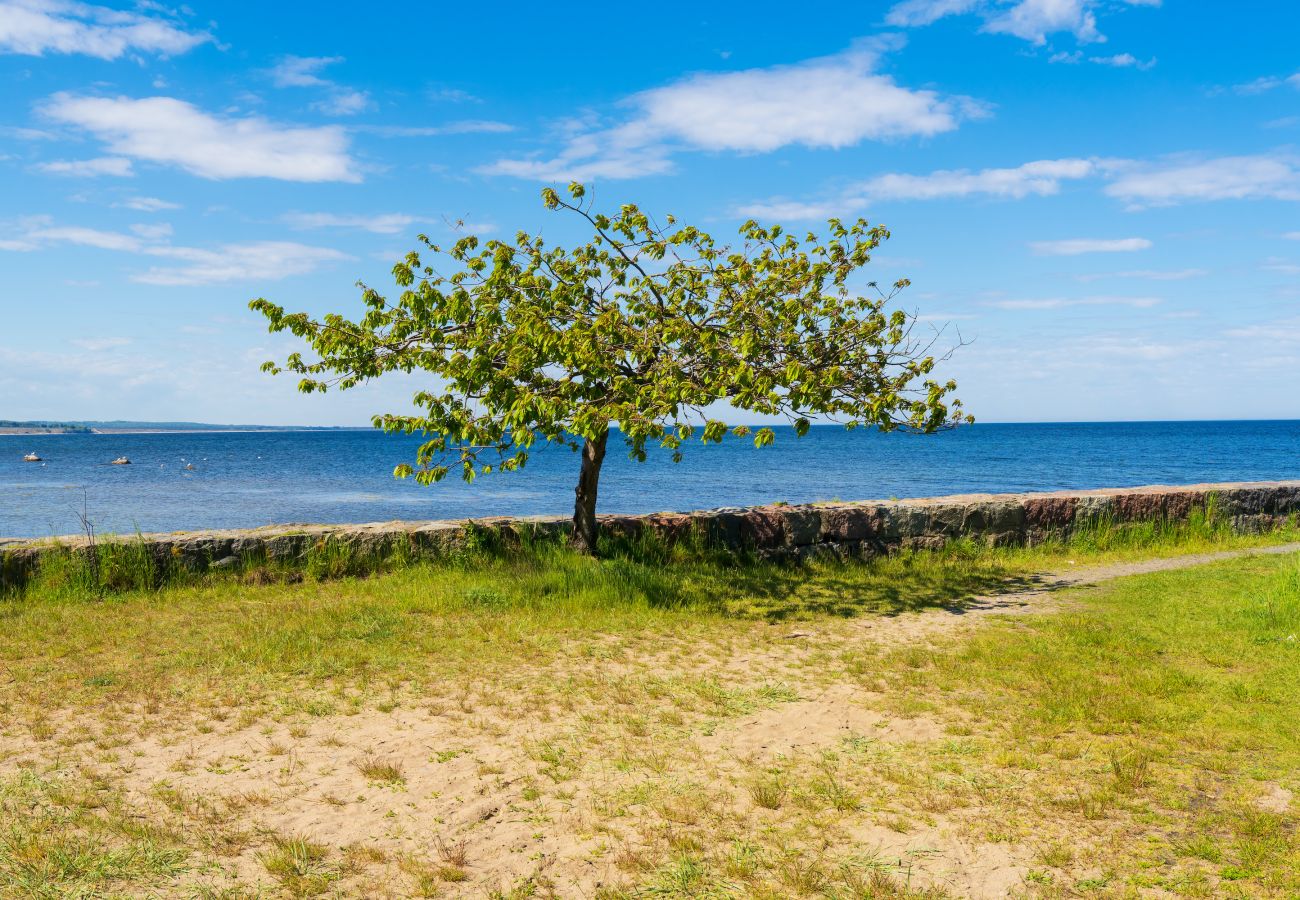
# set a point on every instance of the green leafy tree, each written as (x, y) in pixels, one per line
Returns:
(645, 327)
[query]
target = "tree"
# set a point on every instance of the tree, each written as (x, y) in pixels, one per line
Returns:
(647, 327)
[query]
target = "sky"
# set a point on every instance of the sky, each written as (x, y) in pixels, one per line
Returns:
(1097, 198)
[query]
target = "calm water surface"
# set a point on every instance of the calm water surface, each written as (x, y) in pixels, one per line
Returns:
(249, 479)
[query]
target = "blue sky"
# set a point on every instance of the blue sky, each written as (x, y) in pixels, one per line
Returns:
(1101, 195)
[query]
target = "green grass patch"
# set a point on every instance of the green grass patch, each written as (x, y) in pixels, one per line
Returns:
(1158, 711)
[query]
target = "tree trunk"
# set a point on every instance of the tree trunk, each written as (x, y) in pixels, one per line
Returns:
(584, 509)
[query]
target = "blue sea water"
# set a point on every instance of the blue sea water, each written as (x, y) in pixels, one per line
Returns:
(259, 478)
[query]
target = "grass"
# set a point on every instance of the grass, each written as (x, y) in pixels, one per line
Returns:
(1129, 743)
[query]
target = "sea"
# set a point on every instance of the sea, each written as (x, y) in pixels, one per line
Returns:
(247, 479)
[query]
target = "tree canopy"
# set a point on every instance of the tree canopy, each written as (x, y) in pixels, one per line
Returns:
(648, 327)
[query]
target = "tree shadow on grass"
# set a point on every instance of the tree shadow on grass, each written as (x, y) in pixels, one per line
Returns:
(775, 592)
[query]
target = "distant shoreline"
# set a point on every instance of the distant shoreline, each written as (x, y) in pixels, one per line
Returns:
(28, 432)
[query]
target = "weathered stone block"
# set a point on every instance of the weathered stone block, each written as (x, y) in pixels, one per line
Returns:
(947, 518)
(913, 521)
(803, 525)
(924, 542)
(997, 516)
(1094, 508)
(1179, 504)
(846, 523)
(1048, 514)
(763, 529)
(720, 527)
(1143, 507)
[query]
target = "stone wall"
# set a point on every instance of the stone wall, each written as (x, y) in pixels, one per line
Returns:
(861, 528)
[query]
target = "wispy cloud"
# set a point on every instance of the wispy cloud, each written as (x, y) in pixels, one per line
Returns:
(148, 204)
(38, 27)
(1264, 176)
(303, 71)
(343, 103)
(118, 166)
(1147, 275)
(1263, 85)
(1161, 182)
(829, 102)
(463, 126)
(451, 95)
(1078, 246)
(1040, 178)
(1280, 265)
(248, 261)
(255, 261)
(100, 343)
(172, 132)
(1124, 61)
(383, 223)
(1064, 302)
(1030, 20)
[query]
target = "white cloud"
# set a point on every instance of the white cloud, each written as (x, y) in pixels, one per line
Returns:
(89, 168)
(100, 343)
(1292, 236)
(1147, 274)
(301, 71)
(1041, 178)
(1264, 84)
(1062, 302)
(384, 223)
(1141, 184)
(251, 261)
(343, 103)
(1077, 246)
(452, 95)
(1225, 178)
(27, 134)
(829, 102)
(153, 232)
(912, 13)
(257, 261)
(173, 132)
(37, 27)
(833, 102)
(1030, 20)
(1280, 265)
(1282, 330)
(465, 126)
(1034, 20)
(1124, 61)
(148, 204)
(85, 237)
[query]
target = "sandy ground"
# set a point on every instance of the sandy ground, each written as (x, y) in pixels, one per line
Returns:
(506, 792)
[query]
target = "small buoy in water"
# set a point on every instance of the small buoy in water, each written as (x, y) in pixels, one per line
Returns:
(190, 466)
(31, 457)
(121, 461)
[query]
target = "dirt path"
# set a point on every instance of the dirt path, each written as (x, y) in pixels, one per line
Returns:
(1033, 594)
(597, 783)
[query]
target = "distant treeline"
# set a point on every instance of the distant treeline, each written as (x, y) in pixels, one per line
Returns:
(124, 425)
(74, 427)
